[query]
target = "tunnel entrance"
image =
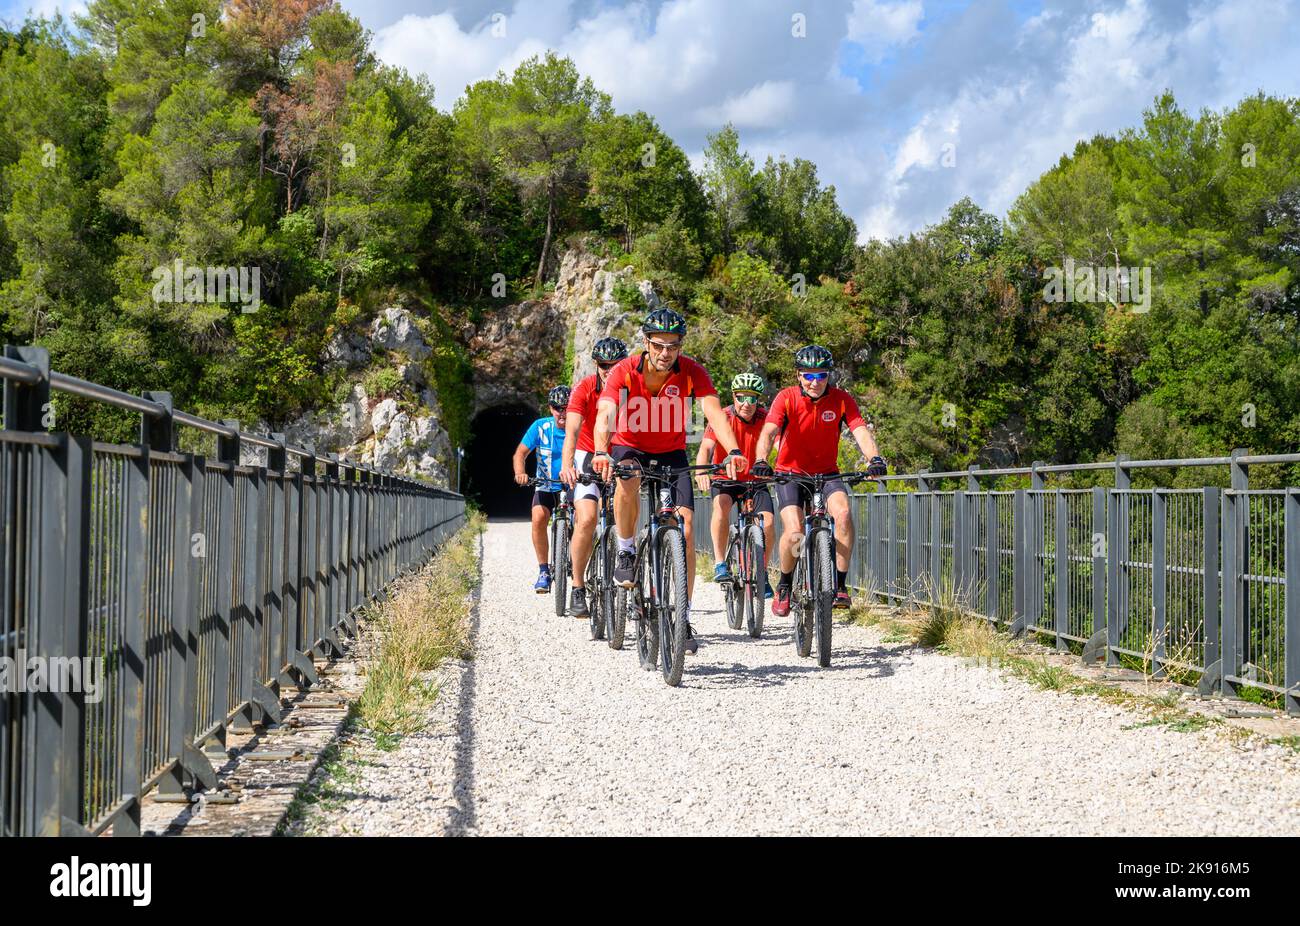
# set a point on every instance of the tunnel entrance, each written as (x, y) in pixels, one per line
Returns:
(488, 478)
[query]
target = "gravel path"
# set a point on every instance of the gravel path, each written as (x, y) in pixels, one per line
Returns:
(548, 732)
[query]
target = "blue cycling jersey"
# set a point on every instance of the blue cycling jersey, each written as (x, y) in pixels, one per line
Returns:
(545, 437)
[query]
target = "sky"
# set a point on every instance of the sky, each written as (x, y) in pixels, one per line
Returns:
(905, 106)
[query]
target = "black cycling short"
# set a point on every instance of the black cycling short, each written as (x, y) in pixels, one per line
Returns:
(796, 493)
(762, 498)
(682, 494)
(548, 500)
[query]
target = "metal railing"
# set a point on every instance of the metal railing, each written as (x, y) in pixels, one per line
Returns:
(201, 586)
(1192, 582)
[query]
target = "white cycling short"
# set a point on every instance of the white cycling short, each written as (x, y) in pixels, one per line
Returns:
(582, 463)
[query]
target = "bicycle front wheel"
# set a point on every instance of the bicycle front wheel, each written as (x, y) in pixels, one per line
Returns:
(755, 579)
(597, 614)
(823, 593)
(671, 605)
(561, 573)
(801, 611)
(731, 589)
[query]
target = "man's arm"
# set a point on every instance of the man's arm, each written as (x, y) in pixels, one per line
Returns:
(521, 454)
(866, 442)
(704, 455)
(765, 439)
(711, 405)
(572, 424)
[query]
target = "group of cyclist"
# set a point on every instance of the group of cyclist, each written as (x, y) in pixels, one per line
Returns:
(632, 412)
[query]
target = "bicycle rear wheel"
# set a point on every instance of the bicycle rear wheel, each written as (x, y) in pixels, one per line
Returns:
(823, 593)
(671, 606)
(755, 580)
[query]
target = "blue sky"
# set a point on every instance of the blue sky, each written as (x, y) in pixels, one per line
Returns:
(904, 105)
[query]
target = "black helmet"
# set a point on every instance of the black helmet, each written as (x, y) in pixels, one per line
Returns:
(664, 321)
(558, 397)
(813, 357)
(608, 350)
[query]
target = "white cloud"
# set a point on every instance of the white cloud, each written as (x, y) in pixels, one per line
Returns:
(878, 25)
(766, 105)
(1010, 95)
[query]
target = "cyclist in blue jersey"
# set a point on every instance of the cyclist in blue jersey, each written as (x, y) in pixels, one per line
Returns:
(546, 437)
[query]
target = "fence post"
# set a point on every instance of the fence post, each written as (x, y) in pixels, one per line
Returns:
(226, 550)
(960, 548)
(1229, 631)
(992, 555)
(136, 530)
(1159, 629)
(50, 597)
(1099, 548)
(1210, 502)
(914, 536)
(274, 610)
(1061, 542)
(1291, 638)
(1019, 564)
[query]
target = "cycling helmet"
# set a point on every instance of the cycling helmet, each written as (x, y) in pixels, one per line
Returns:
(664, 321)
(748, 382)
(608, 350)
(558, 397)
(813, 357)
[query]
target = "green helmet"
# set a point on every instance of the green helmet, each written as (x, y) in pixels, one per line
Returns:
(748, 382)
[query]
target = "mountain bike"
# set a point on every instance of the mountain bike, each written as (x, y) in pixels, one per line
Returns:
(658, 599)
(746, 559)
(561, 533)
(813, 592)
(606, 602)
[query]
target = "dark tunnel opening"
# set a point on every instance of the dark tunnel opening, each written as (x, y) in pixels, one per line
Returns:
(489, 479)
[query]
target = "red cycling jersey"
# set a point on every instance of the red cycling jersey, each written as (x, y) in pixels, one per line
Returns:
(746, 438)
(582, 401)
(654, 422)
(810, 431)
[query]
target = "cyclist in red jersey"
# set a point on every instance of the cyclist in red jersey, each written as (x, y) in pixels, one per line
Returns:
(808, 417)
(747, 419)
(576, 456)
(641, 416)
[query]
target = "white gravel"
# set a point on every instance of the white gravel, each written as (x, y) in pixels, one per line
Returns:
(548, 732)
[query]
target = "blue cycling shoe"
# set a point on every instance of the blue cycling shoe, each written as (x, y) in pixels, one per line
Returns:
(767, 588)
(721, 573)
(543, 584)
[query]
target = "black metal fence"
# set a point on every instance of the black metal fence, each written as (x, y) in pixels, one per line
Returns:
(1191, 582)
(197, 588)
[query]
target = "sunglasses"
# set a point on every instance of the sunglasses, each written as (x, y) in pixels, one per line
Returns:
(606, 367)
(744, 399)
(663, 345)
(813, 377)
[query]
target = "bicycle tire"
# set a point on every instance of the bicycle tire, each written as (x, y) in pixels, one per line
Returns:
(597, 615)
(801, 615)
(824, 594)
(647, 625)
(671, 607)
(560, 575)
(755, 580)
(731, 589)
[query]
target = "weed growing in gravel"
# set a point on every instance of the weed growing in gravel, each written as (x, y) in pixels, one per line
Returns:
(1041, 673)
(1287, 742)
(424, 621)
